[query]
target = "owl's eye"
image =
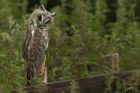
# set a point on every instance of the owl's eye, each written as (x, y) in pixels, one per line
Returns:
(39, 18)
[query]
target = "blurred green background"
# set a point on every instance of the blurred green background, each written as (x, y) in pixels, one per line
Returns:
(83, 31)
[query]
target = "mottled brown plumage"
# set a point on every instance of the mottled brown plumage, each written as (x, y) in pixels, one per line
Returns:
(35, 44)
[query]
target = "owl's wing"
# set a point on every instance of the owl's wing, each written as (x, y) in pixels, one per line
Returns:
(26, 44)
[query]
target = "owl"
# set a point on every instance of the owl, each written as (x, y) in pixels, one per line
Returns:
(35, 44)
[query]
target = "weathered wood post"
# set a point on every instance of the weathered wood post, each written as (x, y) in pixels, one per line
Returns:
(109, 63)
(115, 62)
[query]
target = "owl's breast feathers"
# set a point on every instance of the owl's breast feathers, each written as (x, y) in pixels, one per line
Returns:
(35, 43)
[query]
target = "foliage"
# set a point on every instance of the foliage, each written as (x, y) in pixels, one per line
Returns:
(80, 35)
(74, 87)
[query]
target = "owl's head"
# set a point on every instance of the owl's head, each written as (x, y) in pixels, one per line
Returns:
(41, 18)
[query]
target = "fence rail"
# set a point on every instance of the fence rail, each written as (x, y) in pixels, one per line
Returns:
(92, 84)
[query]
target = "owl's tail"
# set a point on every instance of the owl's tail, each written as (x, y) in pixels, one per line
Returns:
(30, 73)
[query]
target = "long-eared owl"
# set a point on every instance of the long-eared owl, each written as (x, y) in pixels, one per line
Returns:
(35, 44)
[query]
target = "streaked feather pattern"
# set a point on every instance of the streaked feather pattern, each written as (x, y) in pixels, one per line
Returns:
(35, 44)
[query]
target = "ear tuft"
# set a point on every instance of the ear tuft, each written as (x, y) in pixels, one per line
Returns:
(42, 7)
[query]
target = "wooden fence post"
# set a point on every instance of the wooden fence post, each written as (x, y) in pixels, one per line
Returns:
(110, 63)
(115, 63)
